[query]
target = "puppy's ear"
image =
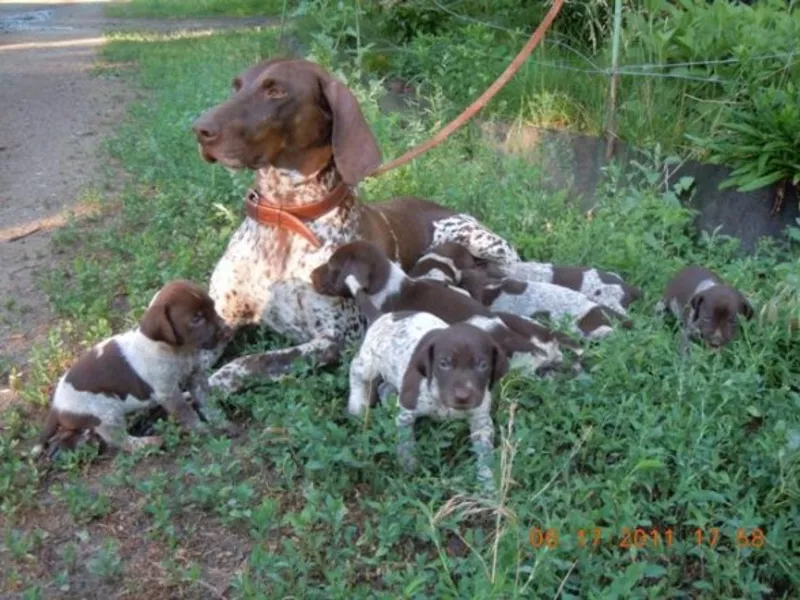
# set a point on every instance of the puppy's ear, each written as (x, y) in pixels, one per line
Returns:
(355, 150)
(745, 307)
(158, 326)
(499, 364)
(345, 270)
(419, 367)
(695, 303)
(422, 360)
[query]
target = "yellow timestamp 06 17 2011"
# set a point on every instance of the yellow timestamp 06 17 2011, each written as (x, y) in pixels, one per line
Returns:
(659, 539)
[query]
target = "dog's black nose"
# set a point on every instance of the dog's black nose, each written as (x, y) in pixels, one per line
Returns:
(205, 130)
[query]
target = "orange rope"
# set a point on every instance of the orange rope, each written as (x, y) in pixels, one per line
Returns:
(482, 100)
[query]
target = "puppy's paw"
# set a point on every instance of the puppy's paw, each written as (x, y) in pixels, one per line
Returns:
(133, 444)
(385, 391)
(231, 430)
(406, 458)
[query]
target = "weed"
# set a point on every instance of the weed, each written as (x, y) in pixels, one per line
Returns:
(106, 564)
(84, 504)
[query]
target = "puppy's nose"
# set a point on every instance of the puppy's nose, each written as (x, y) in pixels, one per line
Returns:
(462, 395)
(205, 130)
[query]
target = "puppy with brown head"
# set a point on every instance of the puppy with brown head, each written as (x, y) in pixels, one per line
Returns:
(135, 371)
(360, 268)
(707, 308)
(441, 371)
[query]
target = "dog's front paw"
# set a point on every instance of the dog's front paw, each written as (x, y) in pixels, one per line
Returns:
(231, 430)
(406, 458)
(486, 479)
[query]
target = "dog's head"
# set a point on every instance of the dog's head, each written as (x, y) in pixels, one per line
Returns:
(462, 360)
(715, 314)
(182, 314)
(289, 114)
(360, 264)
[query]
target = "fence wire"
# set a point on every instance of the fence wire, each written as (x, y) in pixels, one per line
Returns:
(633, 70)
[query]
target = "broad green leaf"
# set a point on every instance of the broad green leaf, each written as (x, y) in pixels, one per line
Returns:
(763, 181)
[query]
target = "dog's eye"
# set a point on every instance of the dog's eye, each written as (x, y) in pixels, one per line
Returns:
(272, 90)
(445, 363)
(483, 366)
(197, 320)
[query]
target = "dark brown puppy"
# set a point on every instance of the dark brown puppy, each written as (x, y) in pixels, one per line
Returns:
(137, 370)
(707, 308)
(360, 270)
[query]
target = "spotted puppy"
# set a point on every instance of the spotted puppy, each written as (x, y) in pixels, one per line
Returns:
(441, 371)
(137, 370)
(603, 287)
(536, 300)
(362, 271)
(706, 307)
(453, 264)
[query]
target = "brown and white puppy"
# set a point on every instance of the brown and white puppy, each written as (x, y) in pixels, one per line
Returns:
(602, 287)
(538, 300)
(453, 264)
(360, 270)
(441, 371)
(707, 308)
(136, 370)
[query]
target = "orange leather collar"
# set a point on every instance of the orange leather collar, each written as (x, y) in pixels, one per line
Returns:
(265, 212)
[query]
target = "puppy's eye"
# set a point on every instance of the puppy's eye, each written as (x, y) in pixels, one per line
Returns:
(197, 320)
(445, 363)
(483, 366)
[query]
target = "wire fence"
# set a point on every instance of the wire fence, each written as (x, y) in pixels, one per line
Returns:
(649, 69)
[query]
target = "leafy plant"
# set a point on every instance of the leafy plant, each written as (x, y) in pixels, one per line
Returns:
(760, 140)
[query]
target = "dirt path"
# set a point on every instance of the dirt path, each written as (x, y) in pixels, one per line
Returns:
(55, 113)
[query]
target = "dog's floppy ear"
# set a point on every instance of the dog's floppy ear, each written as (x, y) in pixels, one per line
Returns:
(745, 307)
(499, 364)
(349, 267)
(419, 367)
(355, 150)
(696, 302)
(157, 325)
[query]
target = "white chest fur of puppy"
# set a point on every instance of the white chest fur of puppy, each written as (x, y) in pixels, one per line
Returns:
(137, 370)
(441, 371)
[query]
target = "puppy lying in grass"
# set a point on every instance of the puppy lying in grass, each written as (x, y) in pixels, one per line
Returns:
(135, 371)
(441, 371)
(361, 270)
(707, 308)
(453, 264)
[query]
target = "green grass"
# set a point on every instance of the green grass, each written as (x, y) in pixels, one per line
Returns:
(196, 8)
(668, 94)
(312, 504)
